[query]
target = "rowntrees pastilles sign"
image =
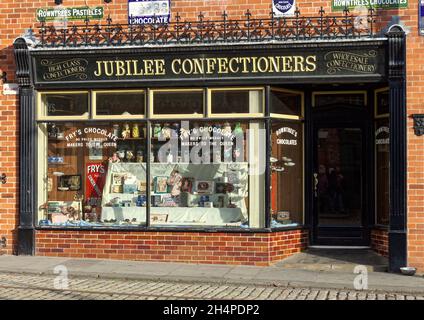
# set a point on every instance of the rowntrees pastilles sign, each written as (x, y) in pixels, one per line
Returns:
(74, 13)
(339, 5)
(148, 11)
(283, 7)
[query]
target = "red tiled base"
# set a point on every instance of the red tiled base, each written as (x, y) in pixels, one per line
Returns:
(260, 249)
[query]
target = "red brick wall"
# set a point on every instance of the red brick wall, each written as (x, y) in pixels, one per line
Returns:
(259, 249)
(380, 242)
(16, 15)
(9, 141)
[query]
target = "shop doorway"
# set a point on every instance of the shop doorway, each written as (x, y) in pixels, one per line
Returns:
(342, 177)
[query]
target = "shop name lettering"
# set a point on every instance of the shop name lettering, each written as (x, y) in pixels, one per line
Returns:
(208, 66)
(359, 63)
(288, 142)
(65, 69)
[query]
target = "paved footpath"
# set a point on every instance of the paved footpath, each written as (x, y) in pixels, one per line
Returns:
(45, 287)
(34, 277)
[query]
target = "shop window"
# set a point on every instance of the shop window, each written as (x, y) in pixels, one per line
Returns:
(381, 102)
(92, 174)
(63, 105)
(382, 164)
(349, 98)
(207, 174)
(286, 103)
(128, 104)
(177, 103)
(286, 173)
(236, 102)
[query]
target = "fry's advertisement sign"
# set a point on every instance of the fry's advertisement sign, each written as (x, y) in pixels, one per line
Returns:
(95, 181)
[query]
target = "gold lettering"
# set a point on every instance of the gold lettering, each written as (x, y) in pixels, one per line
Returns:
(274, 64)
(298, 64)
(174, 68)
(254, 67)
(263, 64)
(128, 62)
(211, 62)
(222, 65)
(287, 64)
(190, 65)
(199, 66)
(120, 70)
(160, 67)
(311, 63)
(231, 65)
(98, 72)
(148, 68)
(108, 71)
(245, 62)
(137, 72)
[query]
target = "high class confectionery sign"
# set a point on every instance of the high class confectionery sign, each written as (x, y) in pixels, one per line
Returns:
(211, 66)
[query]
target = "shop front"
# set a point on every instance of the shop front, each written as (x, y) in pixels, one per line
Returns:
(213, 150)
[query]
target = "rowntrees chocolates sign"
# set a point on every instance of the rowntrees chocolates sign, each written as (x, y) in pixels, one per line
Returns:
(340, 5)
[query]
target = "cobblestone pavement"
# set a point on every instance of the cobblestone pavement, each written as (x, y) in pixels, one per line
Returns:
(42, 287)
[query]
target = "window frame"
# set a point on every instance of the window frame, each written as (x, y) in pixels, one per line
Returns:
(335, 92)
(148, 118)
(117, 116)
(152, 115)
(376, 115)
(232, 115)
(40, 106)
(289, 116)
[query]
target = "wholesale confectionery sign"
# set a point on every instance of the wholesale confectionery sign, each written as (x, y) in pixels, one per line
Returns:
(74, 13)
(148, 11)
(339, 5)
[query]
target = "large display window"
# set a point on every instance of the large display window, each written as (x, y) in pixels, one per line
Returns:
(94, 172)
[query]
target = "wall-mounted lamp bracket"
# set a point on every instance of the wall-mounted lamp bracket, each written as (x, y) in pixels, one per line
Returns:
(418, 124)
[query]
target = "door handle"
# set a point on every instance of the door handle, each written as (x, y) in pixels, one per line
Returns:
(316, 184)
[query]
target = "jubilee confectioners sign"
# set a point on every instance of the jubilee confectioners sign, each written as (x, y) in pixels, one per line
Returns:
(210, 66)
(339, 5)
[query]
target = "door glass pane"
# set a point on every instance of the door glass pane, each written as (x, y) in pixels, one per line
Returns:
(339, 178)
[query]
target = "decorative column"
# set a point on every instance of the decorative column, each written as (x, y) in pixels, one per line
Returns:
(27, 147)
(398, 177)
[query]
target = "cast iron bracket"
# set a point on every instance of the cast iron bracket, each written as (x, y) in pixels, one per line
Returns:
(418, 124)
